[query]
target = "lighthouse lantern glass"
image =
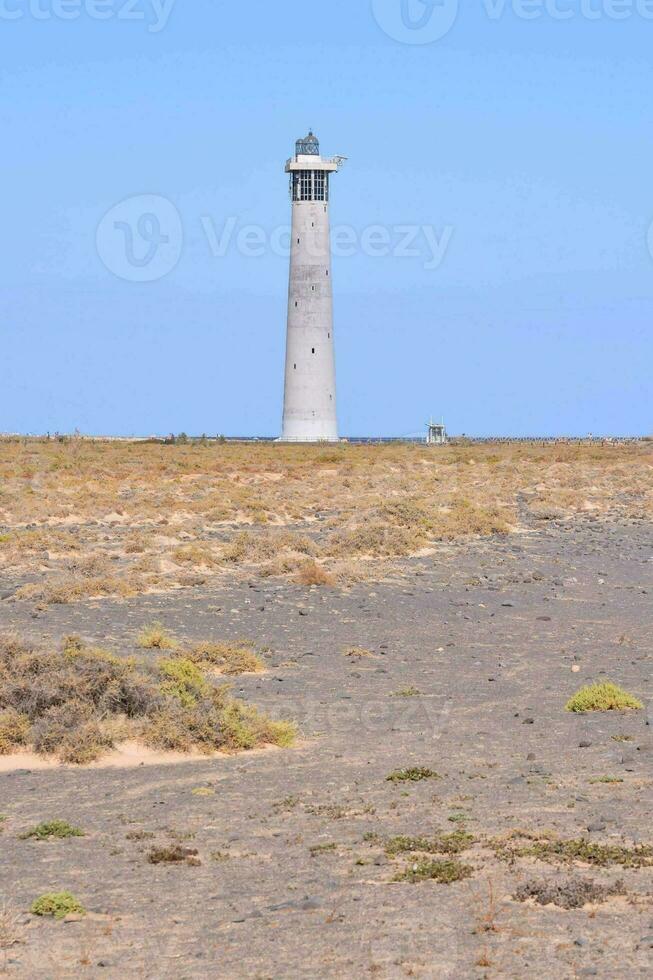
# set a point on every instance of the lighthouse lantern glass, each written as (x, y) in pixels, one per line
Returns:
(308, 147)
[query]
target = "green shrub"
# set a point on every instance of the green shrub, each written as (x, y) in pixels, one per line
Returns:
(555, 851)
(51, 830)
(453, 843)
(602, 697)
(183, 680)
(216, 722)
(58, 905)
(444, 872)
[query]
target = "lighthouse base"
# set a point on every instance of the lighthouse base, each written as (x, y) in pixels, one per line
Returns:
(308, 439)
(309, 430)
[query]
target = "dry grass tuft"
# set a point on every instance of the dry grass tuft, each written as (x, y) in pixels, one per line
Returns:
(11, 932)
(67, 590)
(375, 540)
(174, 854)
(196, 555)
(155, 637)
(358, 653)
(225, 658)
(14, 730)
(311, 573)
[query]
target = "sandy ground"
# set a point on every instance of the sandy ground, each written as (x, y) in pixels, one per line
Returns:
(126, 755)
(294, 880)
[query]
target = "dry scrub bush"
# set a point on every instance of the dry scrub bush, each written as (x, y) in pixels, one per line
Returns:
(310, 573)
(11, 931)
(155, 637)
(71, 590)
(375, 540)
(75, 702)
(194, 554)
(247, 547)
(14, 729)
(225, 658)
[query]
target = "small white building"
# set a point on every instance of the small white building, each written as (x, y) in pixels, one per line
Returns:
(437, 435)
(309, 408)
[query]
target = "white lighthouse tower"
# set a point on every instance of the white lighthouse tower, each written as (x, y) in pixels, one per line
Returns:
(309, 408)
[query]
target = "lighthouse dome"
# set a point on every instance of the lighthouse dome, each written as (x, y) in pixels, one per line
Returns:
(309, 146)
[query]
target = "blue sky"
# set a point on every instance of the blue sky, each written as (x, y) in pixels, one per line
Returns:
(522, 145)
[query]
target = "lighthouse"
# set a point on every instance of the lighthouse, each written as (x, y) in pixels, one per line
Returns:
(309, 408)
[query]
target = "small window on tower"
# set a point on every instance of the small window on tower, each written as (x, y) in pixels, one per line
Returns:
(313, 288)
(327, 272)
(294, 367)
(312, 350)
(295, 303)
